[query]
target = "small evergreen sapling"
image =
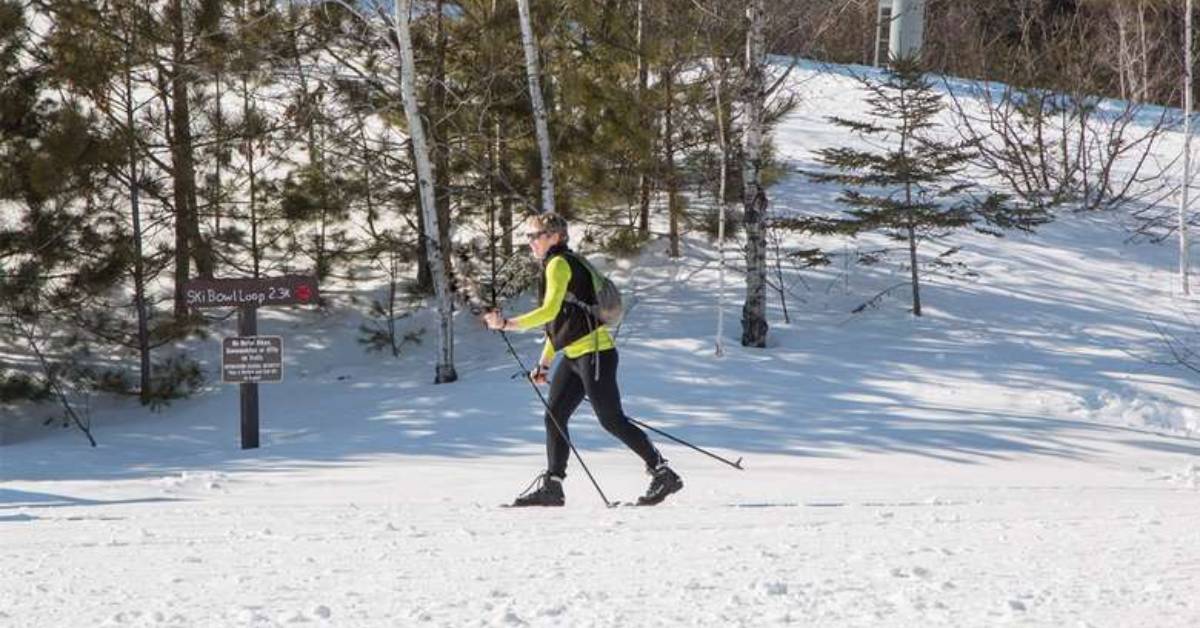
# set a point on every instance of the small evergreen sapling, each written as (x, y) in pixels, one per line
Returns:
(910, 189)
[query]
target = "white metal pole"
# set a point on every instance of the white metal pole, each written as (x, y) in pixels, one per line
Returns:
(896, 41)
(1187, 154)
(907, 29)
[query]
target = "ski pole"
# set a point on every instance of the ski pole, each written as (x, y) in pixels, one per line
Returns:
(553, 419)
(737, 465)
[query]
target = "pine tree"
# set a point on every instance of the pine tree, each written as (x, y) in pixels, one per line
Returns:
(910, 190)
(27, 263)
(618, 138)
(66, 249)
(108, 177)
(602, 132)
(184, 23)
(318, 196)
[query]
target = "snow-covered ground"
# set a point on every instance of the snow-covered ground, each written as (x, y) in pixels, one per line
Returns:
(1014, 457)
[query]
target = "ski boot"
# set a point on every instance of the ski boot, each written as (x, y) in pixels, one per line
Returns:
(548, 493)
(663, 482)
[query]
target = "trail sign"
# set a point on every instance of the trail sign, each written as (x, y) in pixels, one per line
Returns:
(248, 358)
(267, 291)
(251, 359)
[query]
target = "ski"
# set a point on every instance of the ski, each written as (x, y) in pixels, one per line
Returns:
(616, 504)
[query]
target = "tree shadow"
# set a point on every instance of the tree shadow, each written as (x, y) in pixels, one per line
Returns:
(821, 391)
(13, 498)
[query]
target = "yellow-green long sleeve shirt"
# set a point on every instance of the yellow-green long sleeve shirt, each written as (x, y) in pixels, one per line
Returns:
(558, 277)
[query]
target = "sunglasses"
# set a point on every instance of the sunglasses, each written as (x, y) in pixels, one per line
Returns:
(535, 235)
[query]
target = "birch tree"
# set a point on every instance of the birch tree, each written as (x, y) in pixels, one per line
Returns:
(394, 27)
(718, 88)
(754, 95)
(1188, 86)
(723, 31)
(541, 126)
(416, 129)
(647, 162)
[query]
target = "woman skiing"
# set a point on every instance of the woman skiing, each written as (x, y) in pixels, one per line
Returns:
(588, 367)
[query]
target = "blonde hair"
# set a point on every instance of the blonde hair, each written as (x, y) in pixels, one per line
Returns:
(551, 222)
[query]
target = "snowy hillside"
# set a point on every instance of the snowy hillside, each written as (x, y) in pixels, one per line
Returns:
(1017, 456)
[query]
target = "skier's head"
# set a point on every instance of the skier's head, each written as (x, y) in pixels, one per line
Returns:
(545, 231)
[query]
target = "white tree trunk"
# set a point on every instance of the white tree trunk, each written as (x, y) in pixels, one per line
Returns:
(754, 311)
(416, 130)
(643, 76)
(1124, 57)
(1187, 154)
(539, 105)
(718, 87)
(1144, 79)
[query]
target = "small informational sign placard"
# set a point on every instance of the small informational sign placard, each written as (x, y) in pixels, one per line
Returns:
(263, 292)
(252, 359)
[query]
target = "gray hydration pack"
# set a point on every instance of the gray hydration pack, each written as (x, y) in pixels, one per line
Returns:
(608, 309)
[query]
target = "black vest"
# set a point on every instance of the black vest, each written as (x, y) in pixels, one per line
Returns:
(572, 322)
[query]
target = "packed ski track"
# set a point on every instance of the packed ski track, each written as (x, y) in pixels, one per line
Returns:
(1019, 456)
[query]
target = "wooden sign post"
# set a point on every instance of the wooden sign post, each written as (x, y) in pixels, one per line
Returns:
(249, 359)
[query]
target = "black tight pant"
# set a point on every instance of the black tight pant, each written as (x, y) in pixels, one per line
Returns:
(571, 381)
